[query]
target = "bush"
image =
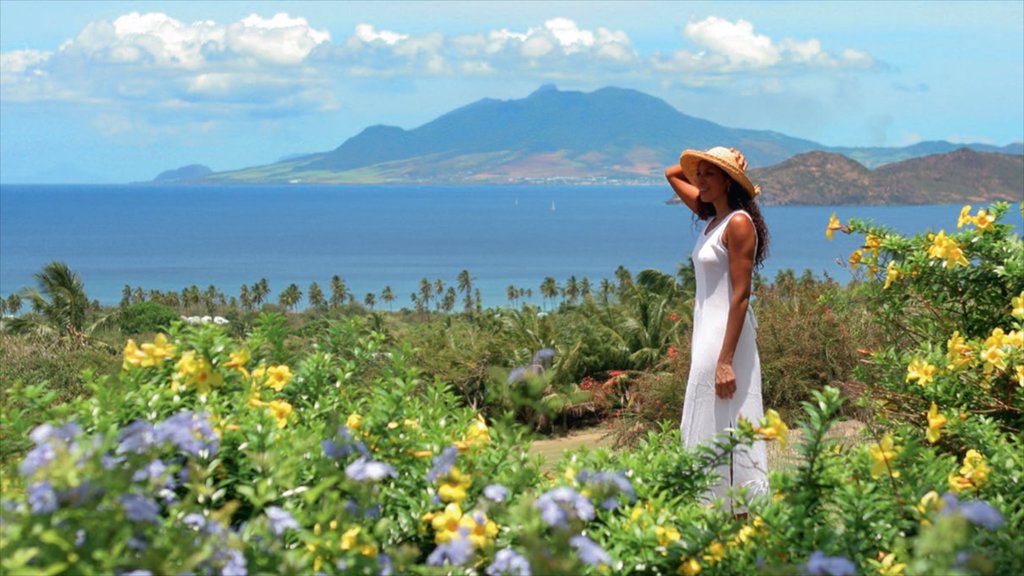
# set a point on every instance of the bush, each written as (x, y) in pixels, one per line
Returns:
(146, 318)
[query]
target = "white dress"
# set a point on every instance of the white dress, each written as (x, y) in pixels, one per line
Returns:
(704, 414)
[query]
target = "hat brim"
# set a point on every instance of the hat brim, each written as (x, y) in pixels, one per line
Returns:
(689, 160)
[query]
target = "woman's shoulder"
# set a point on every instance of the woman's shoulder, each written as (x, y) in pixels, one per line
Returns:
(740, 226)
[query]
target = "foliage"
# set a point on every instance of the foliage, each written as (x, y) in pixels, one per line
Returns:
(146, 317)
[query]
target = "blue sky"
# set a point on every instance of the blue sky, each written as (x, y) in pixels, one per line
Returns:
(120, 91)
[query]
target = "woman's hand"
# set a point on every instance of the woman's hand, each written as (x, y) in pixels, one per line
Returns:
(740, 159)
(725, 381)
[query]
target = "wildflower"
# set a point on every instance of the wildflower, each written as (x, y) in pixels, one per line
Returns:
(929, 503)
(442, 463)
(195, 370)
(610, 483)
(347, 446)
(191, 433)
(1017, 306)
(454, 552)
(237, 361)
(280, 520)
(1019, 375)
(41, 498)
(872, 243)
(883, 454)
(446, 524)
(666, 536)
(453, 486)
(689, 567)
(48, 441)
(509, 563)
(280, 411)
(479, 529)
(892, 273)
(384, 567)
(958, 352)
(136, 437)
(543, 356)
(156, 351)
(947, 249)
(278, 376)
(994, 358)
(350, 538)
(833, 225)
(983, 221)
(935, 423)
(774, 428)
(496, 492)
(138, 508)
(715, 552)
(354, 421)
(965, 217)
(855, 258)
(977, 512)
(477, 434)
(365, 469)
(588, 551)
(975, 468)
(921, 371)
(559, 505)
(820, 565)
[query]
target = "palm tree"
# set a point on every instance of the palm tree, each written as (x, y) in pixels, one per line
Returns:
(465, 283)
(290, 296)
(315, 296)
(388, 296)
(244, 299)
(260, 291)
(426, 292)
(548, 288)
(339, 292)
(13, 304)
(448, 301)
(59, 305)
(126, 296)
(138, 295)
(370, 300)
(606, 289)
(512, 294)
(572, 289)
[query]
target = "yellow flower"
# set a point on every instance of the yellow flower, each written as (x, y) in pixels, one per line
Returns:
(1015, 339)
(774, 428)
(446, 524)
(1019, 375)
(965, 217)
(350, 538)
(715, 552)
(280, 410)
(354, 421)
(833, 224)
(157, 351)
(975, 468)
(983, 221)
(872, 242)
(478, 432)
(891, 274)
(882, 455)
(995, 359)
(132, 355)
(947, 249)
(479, 529)
(1017, 306)
(888, 566)
(958, 484)
(929, 503)
(855, 258)
(935, 423)
(921, 371)
(453, 487)
(689, 567)
(666, 536)
(278, 376)
(195, 370)
(237, 361)
(958, 352)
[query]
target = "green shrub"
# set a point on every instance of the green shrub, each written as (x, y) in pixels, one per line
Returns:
(146, 318)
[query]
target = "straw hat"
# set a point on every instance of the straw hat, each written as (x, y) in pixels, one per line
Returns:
(723, 158)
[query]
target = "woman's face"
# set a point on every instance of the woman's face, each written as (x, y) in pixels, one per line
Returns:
(711, 181)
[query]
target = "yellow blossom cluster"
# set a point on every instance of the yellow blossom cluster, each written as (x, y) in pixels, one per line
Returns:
(833, 225)
(194, 370)
(935, 423)
(476, 435)
(451, 524)
(353, 538)
(972, 474)
(454, 485)
(274, 377)
(982, 220)
(921, 371)
(149, 354)
(882, 455)
(773, 428)
(945, 248)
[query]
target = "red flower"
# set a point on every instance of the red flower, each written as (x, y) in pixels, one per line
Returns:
(672, 352)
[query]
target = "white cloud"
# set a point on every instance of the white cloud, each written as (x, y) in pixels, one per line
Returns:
(279, 40)
(367, 34)
(735, 41)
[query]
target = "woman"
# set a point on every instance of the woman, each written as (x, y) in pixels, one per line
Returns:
(725, 372)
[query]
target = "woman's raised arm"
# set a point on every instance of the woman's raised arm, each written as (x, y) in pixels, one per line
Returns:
(686, 191)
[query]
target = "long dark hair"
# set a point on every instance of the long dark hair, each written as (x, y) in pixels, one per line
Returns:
(739, 199)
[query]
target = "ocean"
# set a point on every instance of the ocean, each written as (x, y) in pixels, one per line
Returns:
(171, 237)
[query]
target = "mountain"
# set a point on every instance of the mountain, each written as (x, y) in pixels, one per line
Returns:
(960, 176)
(184, 174)
(610, 136)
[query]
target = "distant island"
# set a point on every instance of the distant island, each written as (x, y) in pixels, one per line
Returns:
(620, 136)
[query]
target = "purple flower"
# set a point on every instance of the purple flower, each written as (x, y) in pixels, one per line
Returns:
(543, 355)
(153, 471)
(280, 520)
(48, 439)
(455, 552)
(136, 572)
(977, 512)
(384, 566)
(81, 494)
(354, 509)
(346, 446)
(559, 505)
(442, 463)
(588, 551)
(509, 563)
(136, 437)
(496, 492)
(79, 538)
(614, 482)
(41, 498)
(234, 563)
(138, 508)
(188, 432)
(820, 565)
(364, 469)
(516, 375)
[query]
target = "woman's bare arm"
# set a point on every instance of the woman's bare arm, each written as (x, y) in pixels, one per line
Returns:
(740, 240)
(686, 191)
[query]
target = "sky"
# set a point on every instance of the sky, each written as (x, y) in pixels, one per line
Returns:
(103, 92)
